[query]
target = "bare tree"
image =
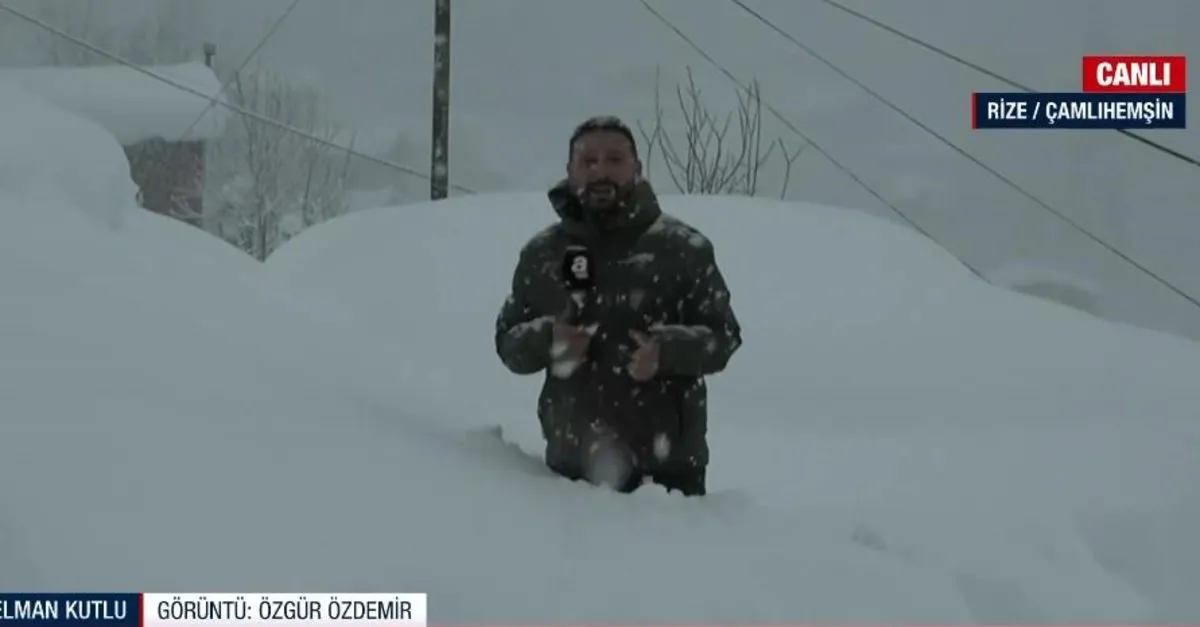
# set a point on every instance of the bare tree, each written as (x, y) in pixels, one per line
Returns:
(702, 157)
(267, 184)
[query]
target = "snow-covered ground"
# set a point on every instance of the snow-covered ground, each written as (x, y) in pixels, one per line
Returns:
(1016, 445)
(177, 417)
(1048, 283)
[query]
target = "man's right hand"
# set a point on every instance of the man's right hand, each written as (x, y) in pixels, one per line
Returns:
(569, 348)
(570, 341)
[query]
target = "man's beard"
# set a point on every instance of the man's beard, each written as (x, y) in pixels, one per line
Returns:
(602, 195)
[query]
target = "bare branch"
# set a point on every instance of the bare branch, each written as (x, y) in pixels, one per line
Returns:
(712, 153)
(273, 184)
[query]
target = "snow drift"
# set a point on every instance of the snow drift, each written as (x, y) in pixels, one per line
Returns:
(1051, 284)
(174, 417)
(90, 174)
(882, 389)
(171, 421)
(129, 103)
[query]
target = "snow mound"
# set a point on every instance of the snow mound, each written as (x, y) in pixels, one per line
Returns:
(883, 394)
(1050, 284)
(129, 103)
(89, 172)
(1016, 273)
(170, 423)
(867, 315)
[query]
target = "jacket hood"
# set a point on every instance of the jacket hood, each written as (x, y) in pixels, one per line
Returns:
(634, 215)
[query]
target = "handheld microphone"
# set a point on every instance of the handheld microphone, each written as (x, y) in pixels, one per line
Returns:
(578, 274)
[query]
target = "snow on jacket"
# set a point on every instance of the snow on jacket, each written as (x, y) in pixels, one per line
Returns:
(653, 273)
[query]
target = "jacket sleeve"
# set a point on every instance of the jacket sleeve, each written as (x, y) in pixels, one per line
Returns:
(523, 337)
(709, 334)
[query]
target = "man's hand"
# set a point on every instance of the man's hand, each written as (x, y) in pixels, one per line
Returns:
(644, 363)
(571, 342)
(569, 347)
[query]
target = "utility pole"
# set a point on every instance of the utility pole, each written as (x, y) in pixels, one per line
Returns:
(439, 161)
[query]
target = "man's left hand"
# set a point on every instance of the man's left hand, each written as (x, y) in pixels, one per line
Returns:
(644, 363)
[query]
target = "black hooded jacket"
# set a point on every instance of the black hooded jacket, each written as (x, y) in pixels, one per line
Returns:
(653, 273)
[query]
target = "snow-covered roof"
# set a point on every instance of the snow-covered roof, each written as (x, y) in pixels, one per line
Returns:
(131, 105)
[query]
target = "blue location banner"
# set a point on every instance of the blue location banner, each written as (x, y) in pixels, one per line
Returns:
(1072, 110)
(71, 609)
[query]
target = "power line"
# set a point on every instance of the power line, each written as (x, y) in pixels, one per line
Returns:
(956, 148)
(262, 42)
(215, 100)
(991, 74)
(825, 153)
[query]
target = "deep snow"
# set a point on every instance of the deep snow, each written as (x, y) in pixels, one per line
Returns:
(1001, 438)
(170, 424)
(130, 104)
(177, 417)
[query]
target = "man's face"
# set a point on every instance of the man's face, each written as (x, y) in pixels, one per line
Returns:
(603, 166)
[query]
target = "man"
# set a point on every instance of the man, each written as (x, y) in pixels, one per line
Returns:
(625, 355)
